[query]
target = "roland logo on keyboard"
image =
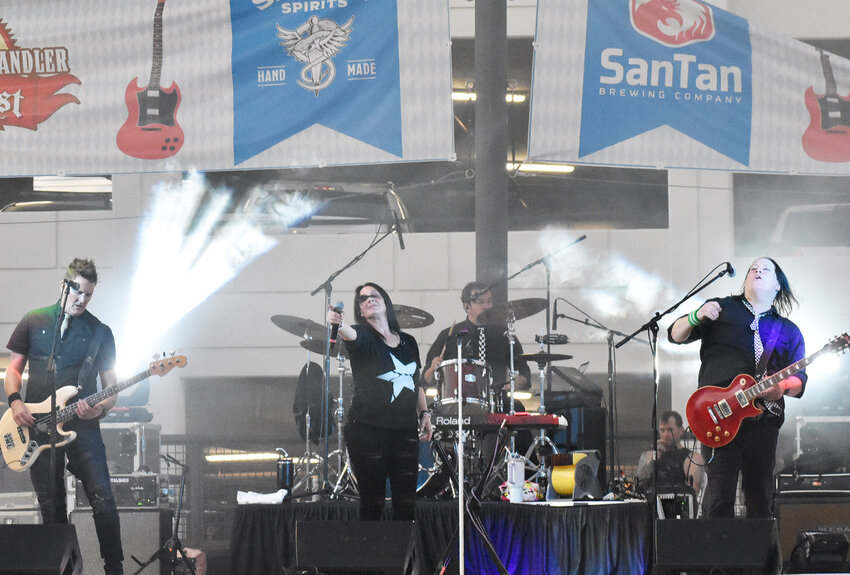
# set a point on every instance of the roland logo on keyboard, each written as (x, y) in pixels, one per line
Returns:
(449, 421)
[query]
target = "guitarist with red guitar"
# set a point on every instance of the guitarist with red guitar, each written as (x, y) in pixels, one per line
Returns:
(84, 350)
(742, 338)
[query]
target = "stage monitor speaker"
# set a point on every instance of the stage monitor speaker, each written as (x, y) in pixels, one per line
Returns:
(336, 547)
(809, 513)
(718, 546)
(143, 531)
(39, 550)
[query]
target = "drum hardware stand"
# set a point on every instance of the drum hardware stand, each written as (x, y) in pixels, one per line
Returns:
(305, 462)
(344, 477)
(170, 547)
(542, 440)
(613, 463)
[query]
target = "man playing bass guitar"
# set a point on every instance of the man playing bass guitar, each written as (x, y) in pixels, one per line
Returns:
(747, 334)
(85, 349)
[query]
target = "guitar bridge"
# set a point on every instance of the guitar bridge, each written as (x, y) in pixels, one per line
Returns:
(8, 440)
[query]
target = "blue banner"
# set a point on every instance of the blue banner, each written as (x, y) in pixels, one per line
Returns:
(297, 64)
(649, 63)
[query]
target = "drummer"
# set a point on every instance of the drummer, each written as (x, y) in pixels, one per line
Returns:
(477, 298)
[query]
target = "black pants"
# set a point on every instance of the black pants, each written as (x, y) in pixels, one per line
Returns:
(86, 457)
(753, 454)
(378, 454)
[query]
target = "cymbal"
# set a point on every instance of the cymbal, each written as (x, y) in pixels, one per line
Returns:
(318, 346)
(543, 357)
(305, 328)
(521, 308)
(411, 317)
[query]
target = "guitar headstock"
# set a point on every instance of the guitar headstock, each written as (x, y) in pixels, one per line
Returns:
(165, 364)
(839, 343)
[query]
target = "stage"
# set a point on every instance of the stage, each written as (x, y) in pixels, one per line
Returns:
(530, 538)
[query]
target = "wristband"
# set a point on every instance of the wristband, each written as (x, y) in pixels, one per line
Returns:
(424, 412)
(692, 319)
(13, 397)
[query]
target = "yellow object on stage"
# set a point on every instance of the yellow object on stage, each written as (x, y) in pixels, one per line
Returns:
(564, 476)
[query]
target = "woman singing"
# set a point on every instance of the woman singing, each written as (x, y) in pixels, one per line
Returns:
(388, 414)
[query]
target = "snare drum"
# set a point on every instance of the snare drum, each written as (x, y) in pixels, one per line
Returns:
(476, 387)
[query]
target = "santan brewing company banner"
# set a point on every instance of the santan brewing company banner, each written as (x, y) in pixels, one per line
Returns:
(100, 86)
(683, 84)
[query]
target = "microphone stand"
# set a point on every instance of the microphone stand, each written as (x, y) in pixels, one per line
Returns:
(612, 377)
(651, 327)
(327, 286)
(51, 381)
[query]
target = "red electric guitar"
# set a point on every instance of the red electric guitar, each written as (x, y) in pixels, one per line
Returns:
(151, 131)
(715, 413)
(827, 138)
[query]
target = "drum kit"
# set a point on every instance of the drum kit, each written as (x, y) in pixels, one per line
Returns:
(479, 394)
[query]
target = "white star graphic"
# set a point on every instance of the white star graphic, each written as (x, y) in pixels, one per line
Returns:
(401, 376)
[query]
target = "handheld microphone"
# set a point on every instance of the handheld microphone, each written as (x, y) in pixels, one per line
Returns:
(730, 271)
(398, 229)
(338, 307)
(72, 284)
(555, 316)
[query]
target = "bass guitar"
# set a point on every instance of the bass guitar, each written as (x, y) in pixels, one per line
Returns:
(21, 446)
(151, 131)
(827, 138)
(715, 413)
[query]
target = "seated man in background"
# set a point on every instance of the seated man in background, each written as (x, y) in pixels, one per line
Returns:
(679, 469)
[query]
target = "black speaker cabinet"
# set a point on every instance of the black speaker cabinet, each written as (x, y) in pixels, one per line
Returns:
(39, 550)
(719, 546)
(142, 533)
(809, 513)
(357, 547)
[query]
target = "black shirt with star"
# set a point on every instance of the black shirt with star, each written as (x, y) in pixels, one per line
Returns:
(386, 388)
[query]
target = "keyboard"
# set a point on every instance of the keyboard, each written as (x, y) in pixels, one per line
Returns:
(493, 421)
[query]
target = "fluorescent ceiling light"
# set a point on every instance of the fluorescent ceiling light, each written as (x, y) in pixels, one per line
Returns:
(547, 168)
(511, 98)
(71, 184)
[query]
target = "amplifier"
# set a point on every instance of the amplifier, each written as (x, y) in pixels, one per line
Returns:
(131, 448)
(821, 483)
(139, 490)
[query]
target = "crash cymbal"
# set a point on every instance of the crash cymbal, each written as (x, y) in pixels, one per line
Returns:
(411, 317)
(305, 328)
(543, 357)
(521, 308)
(318, 346)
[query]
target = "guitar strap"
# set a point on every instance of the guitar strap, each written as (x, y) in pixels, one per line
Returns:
(87, 371)
(761, 369)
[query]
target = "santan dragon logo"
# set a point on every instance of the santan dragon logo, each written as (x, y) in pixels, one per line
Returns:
(673, 22)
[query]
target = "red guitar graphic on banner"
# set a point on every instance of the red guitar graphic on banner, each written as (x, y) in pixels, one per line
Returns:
(151, 131)
(827, 138)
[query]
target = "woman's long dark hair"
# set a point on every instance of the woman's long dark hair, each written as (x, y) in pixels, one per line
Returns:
(392, 320)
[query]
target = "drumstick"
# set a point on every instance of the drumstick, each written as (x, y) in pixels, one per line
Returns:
(451, 329)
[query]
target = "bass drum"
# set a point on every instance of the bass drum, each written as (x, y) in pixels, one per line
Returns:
(433, 480)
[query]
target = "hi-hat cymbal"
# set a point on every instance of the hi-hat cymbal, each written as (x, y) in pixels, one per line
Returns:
(301, 327)
(412, 317)
(543, 357)
(519, 308)
(318, 346)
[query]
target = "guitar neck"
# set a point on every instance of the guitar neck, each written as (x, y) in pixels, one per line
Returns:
(792, 369)
(156, 66)
(829, 78)
(68, 413)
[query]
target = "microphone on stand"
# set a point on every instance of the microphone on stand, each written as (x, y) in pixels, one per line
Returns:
(72, 284)
(338, 307)
(555, 316)
(397, 228)
(730, 271)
